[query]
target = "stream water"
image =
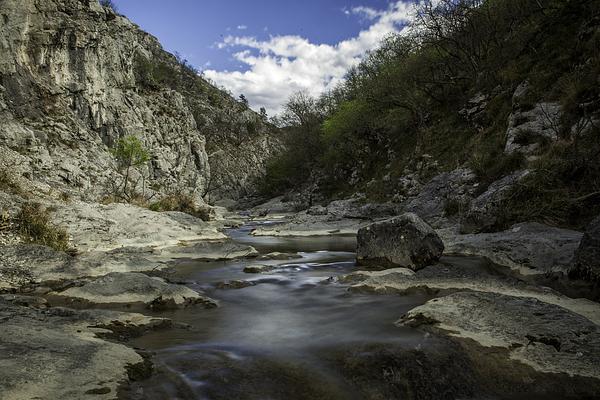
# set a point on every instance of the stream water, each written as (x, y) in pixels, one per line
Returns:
(277, 338)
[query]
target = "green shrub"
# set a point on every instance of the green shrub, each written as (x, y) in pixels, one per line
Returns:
(8, 183)
(35, 226)
(129, 152)
(184, 203)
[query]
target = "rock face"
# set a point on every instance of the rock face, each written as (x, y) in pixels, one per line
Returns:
(530, 125)
(528, 129)
(483, 212)
(75, 77)
(587, 256)
(405, 241)
(128, 288)
(458, 186)
(546, 337)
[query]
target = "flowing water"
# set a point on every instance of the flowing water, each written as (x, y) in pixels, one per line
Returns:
(278, 338)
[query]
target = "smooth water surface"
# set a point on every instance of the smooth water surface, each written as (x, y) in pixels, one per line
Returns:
(272, 340)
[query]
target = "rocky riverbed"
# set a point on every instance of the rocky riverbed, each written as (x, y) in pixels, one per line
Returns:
(195, 306)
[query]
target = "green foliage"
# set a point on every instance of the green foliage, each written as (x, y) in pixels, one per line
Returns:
(35, 226)
(564, 188)
(404, 100)
(130, 152)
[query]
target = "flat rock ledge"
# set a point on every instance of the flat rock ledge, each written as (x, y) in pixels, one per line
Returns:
(546, 337)
(527, 248)
(107, 227)
(41, 348)
(303, 225)
(135, 288)
(475, 275)
(56, 266)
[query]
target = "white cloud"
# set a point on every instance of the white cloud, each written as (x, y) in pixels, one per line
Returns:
(367, 12)
(242, 27)
(283, 65)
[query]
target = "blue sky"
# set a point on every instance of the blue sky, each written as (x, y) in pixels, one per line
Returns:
(268, 49)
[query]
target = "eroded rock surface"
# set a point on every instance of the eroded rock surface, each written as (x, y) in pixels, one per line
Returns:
(56, 353)
(528, 248)
(547, 337)
(484, 211)
(460, 275)
(131, 288)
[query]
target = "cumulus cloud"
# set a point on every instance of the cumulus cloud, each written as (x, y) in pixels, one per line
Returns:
(242, 27)
(283, 65)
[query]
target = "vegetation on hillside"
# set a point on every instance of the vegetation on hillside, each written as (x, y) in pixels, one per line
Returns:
(408, 99)
(35, 226)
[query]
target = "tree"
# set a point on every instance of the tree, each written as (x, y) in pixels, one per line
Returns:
(263, 113)
(243, 100)
(130, 153)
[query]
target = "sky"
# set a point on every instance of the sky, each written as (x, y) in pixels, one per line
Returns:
(270, 49)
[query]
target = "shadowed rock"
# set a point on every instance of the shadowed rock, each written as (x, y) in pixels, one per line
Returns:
(587, 256)
(405, 241)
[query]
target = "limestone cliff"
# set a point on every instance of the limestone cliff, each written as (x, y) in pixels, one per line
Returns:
(76, 76)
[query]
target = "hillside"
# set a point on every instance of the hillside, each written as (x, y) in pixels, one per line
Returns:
(497, 87)
(75, 77)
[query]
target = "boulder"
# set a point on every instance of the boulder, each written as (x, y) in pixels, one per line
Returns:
(483, 212)
(587, 255)
(405, 241)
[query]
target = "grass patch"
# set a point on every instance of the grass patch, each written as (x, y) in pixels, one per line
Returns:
(35, 226)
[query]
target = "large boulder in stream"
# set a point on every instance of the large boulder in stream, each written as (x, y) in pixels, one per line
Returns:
(403, 241)
(587, 256)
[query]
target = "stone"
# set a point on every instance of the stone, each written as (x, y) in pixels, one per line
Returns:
(131, 288)
(483, 212)
(529, 248)
(546, 337)
(100, 227)
(405, 241)
(57, 353)
(279, 256)
(459, 274)
(527, 130)
(430, 202)
(587, 255)
(258, 268)
(317, 210)
(234, 284)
